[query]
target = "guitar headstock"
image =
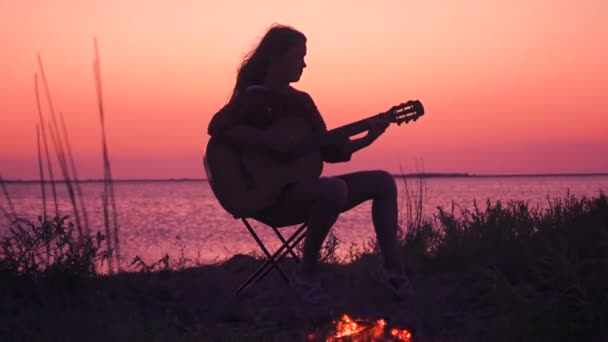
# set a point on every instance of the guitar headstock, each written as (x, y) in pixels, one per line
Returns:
(405, 112)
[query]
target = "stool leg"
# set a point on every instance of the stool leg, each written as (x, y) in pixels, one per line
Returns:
(274, 259)
(280, 254)
(270, 259)
(280, 236)
(296, 242)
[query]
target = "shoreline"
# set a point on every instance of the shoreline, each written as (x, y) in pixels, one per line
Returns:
(407, 175)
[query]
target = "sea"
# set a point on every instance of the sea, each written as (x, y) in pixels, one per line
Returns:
(182, 218)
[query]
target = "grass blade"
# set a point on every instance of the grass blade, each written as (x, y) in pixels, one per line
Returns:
(61, 157)
(108, 182)
(46, 146)
(41, 171)
(13, 213)
(75, 174)
(58, 141)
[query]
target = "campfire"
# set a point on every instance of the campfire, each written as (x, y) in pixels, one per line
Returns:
(348, 329)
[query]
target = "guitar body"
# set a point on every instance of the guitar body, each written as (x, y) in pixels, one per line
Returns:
(248, 179)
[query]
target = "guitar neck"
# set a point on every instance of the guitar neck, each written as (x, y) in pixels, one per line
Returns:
(403, 112)
(353, 128)
(316, 142)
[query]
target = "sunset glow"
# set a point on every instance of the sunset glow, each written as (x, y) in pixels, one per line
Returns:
(508, 87)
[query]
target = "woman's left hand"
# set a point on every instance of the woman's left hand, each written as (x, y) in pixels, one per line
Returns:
(377, 126)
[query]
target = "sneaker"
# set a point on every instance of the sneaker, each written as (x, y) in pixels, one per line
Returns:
(309, 291)
(399, 284)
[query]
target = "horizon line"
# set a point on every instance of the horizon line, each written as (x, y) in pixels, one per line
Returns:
(398, 175)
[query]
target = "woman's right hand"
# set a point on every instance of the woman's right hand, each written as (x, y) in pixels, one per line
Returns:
(280, 144)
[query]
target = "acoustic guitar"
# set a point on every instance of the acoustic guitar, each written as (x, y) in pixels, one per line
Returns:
(248, 179)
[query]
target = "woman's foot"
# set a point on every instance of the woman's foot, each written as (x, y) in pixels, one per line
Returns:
(399, 284)
(309, 289)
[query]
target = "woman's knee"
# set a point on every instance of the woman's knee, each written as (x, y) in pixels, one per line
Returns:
(384, 182)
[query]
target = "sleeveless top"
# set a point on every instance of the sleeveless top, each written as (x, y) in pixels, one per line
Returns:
(260, 107)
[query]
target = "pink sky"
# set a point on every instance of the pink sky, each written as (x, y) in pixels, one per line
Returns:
(509, 87)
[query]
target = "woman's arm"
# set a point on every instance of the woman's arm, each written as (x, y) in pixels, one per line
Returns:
(246, 135)
(343, 152)
(232, 123)
(355, 145)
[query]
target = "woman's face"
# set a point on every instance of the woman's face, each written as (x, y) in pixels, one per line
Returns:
(292, 63)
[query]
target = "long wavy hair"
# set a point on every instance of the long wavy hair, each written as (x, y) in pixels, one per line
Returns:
(276, 41)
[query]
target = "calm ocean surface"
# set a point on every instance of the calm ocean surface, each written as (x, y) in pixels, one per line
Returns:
(172, 216)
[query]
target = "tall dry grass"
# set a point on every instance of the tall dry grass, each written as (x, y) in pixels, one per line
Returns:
(49, 127)
(60, 143)
(108, 197)
(46, 151)
(41, 172)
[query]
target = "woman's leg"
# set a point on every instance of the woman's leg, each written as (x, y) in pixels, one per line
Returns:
(380, 187)
(316, 201)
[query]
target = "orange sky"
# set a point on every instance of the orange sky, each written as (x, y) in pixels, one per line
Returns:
(509, 86)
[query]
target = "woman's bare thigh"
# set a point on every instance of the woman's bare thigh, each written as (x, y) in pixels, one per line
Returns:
(366, 185)
(347, 191)
(296, 202)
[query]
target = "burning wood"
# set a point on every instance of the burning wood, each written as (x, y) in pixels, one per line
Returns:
(347, 329)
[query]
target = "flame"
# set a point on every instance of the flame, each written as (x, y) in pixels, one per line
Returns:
(346, 327)
(401, 334)
(362, 331)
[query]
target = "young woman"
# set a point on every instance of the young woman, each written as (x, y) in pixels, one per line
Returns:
(264, 76)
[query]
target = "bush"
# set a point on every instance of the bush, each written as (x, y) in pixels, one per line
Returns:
(529, 272)
(35, 249)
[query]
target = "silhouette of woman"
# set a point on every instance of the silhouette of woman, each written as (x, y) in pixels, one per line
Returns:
(265, 75)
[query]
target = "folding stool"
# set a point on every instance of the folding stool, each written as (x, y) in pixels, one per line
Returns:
(272, 260)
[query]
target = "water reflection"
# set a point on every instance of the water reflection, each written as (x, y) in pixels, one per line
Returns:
(170, 217)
